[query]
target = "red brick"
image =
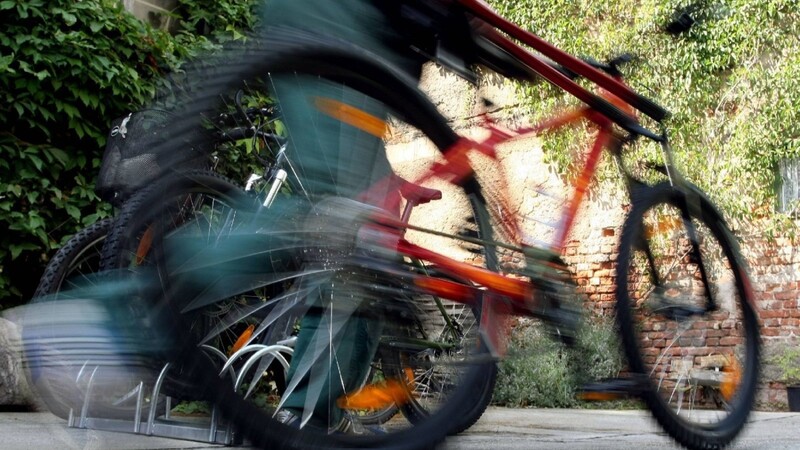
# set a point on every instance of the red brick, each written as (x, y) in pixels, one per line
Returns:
(771, 314)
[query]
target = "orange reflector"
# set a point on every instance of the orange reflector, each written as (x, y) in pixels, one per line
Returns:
(599, 396)
(731, 379)
(243, 338)
(409, 375)
(377, 396)
(350, 115)
(144, 245)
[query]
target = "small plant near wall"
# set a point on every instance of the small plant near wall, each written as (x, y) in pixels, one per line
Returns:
(787, 361)
(541, 372)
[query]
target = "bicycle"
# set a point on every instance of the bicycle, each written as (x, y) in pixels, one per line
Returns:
(197, 200)
(540, 287)
(127, 168)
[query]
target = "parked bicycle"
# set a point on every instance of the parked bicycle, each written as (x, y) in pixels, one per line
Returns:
(208, 206)
(197, 198)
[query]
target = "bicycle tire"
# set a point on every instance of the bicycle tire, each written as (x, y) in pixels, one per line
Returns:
(80, 255)
(466, 322)
(298, 53)
(124, 236)
(182, 200)
(679, 347)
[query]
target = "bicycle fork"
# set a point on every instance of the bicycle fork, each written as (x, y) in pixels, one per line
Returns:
(278, 179)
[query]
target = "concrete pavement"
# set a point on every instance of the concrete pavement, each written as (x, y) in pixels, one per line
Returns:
(500, 428)
(563, 429)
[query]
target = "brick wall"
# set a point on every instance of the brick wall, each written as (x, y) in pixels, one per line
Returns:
(594, 267)
(775, 271)
(774, 266)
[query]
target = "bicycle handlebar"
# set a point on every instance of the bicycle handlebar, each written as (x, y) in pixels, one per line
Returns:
(241, 133)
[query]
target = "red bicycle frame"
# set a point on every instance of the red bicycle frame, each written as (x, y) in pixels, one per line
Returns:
(615, 103)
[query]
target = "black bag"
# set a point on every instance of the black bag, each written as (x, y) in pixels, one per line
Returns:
(140, 149)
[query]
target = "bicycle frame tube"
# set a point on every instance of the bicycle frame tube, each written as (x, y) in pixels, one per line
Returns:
(582, 184)
(455, 168)
(615, 103)
(482, 11)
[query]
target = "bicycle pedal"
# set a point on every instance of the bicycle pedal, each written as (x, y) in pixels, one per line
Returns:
(612, 389)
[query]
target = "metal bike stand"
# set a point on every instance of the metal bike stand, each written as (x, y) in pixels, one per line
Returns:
(210, 430)
(161, 423)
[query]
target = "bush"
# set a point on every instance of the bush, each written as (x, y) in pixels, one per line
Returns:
(67, 69)
(541, 372)
(732, 83)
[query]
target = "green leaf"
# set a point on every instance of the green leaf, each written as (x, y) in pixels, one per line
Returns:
(73, 211)
(69, 18)
(37, 162)
(5, 62)
(58, 154)
(15, 251)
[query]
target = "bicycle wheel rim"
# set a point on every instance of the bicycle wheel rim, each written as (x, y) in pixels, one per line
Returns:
(700, 367)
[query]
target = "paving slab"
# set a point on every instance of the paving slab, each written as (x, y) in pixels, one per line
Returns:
(499, 428)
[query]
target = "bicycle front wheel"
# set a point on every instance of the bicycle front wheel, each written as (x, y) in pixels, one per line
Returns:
(334, 288)
(685, 312)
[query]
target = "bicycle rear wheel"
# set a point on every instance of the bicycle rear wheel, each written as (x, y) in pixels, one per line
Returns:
(686, 316)
(448, 325)
(196, 205)
(303, 56)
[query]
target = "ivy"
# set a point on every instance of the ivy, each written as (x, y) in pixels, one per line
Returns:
(67, 69)
(732, 83)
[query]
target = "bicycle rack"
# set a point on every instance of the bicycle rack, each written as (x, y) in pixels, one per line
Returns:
(162, 423)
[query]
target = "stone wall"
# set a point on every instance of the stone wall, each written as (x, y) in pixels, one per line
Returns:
(153, 12)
